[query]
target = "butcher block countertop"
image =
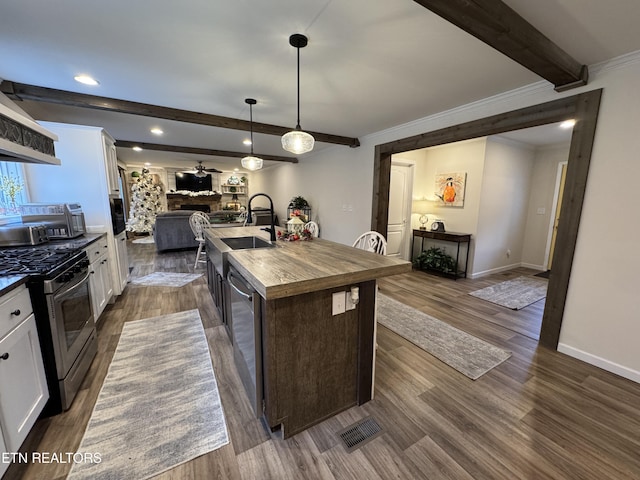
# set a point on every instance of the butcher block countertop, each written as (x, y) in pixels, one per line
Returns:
(303, 266)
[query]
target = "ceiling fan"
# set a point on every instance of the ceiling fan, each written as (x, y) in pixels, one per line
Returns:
(200, 170)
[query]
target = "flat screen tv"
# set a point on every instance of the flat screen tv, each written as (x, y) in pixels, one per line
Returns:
(189, 181)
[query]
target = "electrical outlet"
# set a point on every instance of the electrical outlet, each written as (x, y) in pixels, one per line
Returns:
(338, 303)
(349, 305)
(508, 253)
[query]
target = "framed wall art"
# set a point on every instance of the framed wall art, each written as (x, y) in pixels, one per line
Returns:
(450, 188)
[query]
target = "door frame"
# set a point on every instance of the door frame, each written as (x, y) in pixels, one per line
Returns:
(584, 109)
(409, 198)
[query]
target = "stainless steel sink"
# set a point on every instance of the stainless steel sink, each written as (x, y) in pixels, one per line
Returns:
(219, 248)
(242, 243)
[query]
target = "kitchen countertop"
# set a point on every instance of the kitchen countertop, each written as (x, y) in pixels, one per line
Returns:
(303, 266)
(9, 282)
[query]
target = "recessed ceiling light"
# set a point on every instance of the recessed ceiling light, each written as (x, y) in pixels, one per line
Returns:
(568, 123)
(147, 164)
(86, 79)
(236, 169)
(156, 131)
(137, 149)
(246, 142)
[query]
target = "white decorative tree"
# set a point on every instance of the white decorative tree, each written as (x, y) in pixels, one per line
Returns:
(145, 203)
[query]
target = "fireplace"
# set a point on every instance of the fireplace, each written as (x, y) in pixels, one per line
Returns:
(203, 203)
(196, 206)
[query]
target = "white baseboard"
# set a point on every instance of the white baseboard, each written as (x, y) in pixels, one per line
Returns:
(484, 273)
(542, 268)
(494, 270)
(603, 363)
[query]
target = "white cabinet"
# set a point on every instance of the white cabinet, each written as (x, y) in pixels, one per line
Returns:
(23, 386)
(88, 176)
(100, 283)
(111, 159)
(122, 259)
(3, 449)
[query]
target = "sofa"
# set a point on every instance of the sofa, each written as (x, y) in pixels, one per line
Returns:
(172, 231)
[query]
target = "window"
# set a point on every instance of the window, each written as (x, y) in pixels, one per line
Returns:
(13, 190)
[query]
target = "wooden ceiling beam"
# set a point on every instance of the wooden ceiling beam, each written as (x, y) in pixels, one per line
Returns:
(158, 147)
(500, 27)
(22, 91)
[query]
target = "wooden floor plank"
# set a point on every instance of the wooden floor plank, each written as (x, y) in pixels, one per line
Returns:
(540, 414)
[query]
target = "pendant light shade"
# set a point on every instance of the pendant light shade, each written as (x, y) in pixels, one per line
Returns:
(251, 162)
(297, 141)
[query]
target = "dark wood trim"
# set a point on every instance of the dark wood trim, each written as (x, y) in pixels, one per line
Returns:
(366, 327)
(199, 151)
(19, 91)
(584, 109)
(587, 105)
(500, 27)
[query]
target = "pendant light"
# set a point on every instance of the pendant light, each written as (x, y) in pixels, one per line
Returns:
(251, 163)
(296, 141)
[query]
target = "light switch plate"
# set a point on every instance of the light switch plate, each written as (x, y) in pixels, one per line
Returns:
(338, 305)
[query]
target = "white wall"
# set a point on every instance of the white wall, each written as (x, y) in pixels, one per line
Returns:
(600, 323)
(503, 205)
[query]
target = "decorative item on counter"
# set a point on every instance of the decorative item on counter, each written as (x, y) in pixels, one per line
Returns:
(295, 223)
(305, 234)
(234, 204)
(299, 206)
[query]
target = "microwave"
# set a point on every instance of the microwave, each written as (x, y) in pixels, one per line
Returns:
(62, 220)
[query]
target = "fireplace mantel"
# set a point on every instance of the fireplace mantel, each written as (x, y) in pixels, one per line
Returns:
(175, 200)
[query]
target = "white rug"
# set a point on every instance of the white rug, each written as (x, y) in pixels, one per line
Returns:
(514, 294)
(144, 240)
(469, 355)
(166, 279)
(159, 405)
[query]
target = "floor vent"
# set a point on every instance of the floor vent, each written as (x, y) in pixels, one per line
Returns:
(360, 433)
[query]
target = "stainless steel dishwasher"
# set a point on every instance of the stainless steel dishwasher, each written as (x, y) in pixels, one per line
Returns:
(246, 331)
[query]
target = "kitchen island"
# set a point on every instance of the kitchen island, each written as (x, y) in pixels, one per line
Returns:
(312, 360)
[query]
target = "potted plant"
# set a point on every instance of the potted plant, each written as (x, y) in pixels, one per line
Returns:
(435, 259)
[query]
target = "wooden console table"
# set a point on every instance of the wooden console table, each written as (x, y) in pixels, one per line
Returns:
(457, 238)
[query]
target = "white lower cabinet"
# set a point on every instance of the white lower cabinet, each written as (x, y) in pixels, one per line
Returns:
(122, 259)
(23, 385)
(100, 282)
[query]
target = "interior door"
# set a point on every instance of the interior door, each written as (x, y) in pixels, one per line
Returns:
(399, 225)
(556, 220)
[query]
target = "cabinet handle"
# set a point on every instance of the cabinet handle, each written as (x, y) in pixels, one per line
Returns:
(92, 272)
(4, 356)
(16, 312)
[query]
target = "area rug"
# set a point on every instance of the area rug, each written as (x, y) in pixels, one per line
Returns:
(514, 294)
(166, 279)
(468, 354)
(144, 240)
(159, 405)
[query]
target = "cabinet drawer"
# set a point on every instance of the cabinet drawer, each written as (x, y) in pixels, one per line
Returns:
(97, 249)
(15, 306)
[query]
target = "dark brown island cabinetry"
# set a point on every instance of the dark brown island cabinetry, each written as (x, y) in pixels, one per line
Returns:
(299, 362)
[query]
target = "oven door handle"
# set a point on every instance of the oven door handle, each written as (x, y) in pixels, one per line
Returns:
(74, 287)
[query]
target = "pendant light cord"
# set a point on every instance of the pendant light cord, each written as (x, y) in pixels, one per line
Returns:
(298, 127)
(251, 124)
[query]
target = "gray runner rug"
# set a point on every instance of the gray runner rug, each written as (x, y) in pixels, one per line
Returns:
(159, 405)
(468, 354)
(514, 294)
(165, 279)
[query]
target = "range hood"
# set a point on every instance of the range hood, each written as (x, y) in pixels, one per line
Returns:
(22, 139)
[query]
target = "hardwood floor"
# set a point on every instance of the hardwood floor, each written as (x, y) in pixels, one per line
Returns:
(538, 415)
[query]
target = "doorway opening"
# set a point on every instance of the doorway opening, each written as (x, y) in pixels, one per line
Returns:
(583, 108)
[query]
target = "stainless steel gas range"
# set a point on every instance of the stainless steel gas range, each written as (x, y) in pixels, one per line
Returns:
(59, 289)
